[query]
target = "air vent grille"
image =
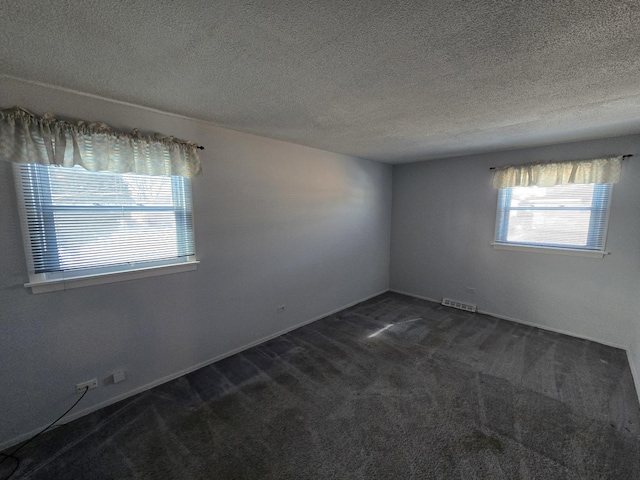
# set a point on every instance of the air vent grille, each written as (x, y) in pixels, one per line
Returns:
(467, 307)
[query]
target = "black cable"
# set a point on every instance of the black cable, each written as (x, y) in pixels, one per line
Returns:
(13, 454)
(14, 468)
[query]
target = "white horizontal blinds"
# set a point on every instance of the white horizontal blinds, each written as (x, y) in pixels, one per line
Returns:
(569, 216)
(83, 220)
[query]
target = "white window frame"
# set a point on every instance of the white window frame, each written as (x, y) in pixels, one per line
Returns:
(502, 214)
(63, 280)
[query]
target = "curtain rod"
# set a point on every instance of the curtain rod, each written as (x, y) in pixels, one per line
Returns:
(623, 157)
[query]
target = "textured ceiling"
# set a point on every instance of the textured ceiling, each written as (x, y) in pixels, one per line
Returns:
(388, 80)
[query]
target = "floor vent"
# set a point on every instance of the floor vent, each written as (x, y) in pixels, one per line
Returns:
(467, 307)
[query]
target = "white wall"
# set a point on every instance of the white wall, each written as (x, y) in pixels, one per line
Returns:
(276, 223)
(443, 220)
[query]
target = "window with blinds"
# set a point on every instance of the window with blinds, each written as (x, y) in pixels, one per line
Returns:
(78, 223)
(564, 216)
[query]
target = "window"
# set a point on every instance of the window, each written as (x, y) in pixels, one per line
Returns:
(99, 205)
(83, 227)
(565, 217)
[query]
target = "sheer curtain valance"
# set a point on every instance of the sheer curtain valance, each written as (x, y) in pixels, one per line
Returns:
(549, 174)
(27, 138)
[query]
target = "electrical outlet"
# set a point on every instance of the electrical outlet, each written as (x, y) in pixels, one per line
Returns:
(280, 308)
(471, 290)
(81, 387)
(118, 376)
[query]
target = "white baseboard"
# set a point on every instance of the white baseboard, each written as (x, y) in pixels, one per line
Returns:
(525, 322)
(421, 297)
(173, 376)
(634, 372)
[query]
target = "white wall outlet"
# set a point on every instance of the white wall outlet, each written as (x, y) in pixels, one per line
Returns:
(280, 308)
(471, 290)
(81, 387)
(118, 376)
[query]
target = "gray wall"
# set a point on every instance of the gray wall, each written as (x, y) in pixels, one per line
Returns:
(276, 223)
(443, 221)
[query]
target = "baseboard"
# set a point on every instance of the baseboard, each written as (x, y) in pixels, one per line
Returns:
(421, 297)
(173, 376)
(525, 322)
(634, 371)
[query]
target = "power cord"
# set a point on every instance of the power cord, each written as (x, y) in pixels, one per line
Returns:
(17, 459)
(12, 455)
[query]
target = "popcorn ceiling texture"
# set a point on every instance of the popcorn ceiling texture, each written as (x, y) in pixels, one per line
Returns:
(387, 80)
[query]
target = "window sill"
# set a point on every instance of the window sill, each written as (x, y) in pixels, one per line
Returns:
(552, 250)
(45, 286)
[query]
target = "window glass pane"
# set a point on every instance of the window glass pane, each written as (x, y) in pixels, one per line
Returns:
(83, 220)
(570, 216)
(554, 227)
(77, 186)
(558, 196)
(84, 241)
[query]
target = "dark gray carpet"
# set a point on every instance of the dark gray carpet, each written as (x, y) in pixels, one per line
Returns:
(439, 394)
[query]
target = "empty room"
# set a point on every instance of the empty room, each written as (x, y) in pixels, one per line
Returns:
(320, 239)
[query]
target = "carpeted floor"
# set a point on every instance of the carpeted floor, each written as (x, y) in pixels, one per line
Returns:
(392, 388)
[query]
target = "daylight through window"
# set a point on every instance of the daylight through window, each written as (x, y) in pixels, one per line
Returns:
(81, 223)
(570, 216)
